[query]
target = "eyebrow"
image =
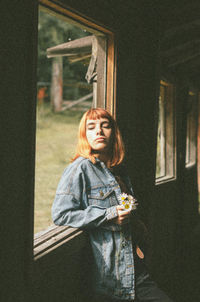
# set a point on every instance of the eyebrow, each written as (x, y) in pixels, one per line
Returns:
(92, 123)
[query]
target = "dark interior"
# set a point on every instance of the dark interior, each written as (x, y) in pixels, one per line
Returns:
(154, 40)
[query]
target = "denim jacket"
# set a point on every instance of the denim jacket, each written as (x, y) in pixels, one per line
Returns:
(86, 197)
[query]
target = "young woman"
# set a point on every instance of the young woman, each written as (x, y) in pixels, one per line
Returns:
(89, 196)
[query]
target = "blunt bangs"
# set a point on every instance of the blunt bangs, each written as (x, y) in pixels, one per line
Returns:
(97, 113)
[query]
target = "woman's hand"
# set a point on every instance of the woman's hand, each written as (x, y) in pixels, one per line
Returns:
(123, 215)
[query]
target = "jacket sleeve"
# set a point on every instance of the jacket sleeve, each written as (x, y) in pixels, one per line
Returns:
(70, 205)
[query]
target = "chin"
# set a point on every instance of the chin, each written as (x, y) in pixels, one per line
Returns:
(101, 149)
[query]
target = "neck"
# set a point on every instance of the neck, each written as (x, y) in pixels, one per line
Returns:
(104, 157)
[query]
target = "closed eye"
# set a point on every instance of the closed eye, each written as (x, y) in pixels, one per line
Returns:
(106, 125)
(90, 126)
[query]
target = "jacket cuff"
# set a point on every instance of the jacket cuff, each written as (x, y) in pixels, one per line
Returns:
(111, 213)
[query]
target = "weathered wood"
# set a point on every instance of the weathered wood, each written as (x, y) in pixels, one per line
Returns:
(44, 235)
(82, 49)
(74, 59)
(57, 84)
(72, 48)
(74, 103)
(53, 237)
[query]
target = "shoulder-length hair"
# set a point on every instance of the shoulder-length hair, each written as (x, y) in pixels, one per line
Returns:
(84, 149)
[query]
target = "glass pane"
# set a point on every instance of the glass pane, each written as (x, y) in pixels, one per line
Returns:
(190, 158)
(161, 137)
(69, 59)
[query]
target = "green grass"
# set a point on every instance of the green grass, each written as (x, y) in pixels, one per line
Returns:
(56, 139)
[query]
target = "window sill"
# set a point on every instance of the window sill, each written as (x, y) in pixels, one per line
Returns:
(53, 237)
(190, 165)
(164, 179)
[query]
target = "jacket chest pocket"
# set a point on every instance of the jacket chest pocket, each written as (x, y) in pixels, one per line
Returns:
(102, 197)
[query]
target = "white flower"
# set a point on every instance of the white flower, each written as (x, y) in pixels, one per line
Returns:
(128, 201)
(123, 196)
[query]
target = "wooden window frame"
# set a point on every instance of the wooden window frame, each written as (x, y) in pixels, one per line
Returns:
(191, 131)
(110, 98)
(170, 141)
(55, 236)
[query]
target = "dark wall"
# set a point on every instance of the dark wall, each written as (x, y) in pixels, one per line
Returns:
(18, 75)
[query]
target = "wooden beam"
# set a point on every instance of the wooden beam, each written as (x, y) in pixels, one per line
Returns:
(79, 57)
(53, 237)
(84, 98)
(72, 48)
(180, 39)
(174, 49)
(189, 26)
(183, 56)
(190, 69)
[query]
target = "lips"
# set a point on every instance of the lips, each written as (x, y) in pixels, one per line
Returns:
(100, 139)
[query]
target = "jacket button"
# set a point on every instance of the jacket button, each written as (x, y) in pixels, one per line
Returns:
(101, 193)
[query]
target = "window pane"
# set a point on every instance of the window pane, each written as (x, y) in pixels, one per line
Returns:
(191, 140)
(165, 159)
(69, 59)
(160, 160)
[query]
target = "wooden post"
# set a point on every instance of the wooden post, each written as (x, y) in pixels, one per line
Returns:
(57, 84)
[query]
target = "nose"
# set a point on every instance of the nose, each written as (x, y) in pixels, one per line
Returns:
(98, 129)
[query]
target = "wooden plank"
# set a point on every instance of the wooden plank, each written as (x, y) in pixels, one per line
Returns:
(91, 72)
(182, 56)
(45, 235)
(48, 247)
(73, 48)
(52, 238)
(79, 57)
(74, 103)
(54, 241)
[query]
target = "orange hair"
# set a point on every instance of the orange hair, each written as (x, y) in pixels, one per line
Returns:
(83, 147)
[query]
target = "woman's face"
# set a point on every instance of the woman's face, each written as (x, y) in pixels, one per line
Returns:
(99, 133)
